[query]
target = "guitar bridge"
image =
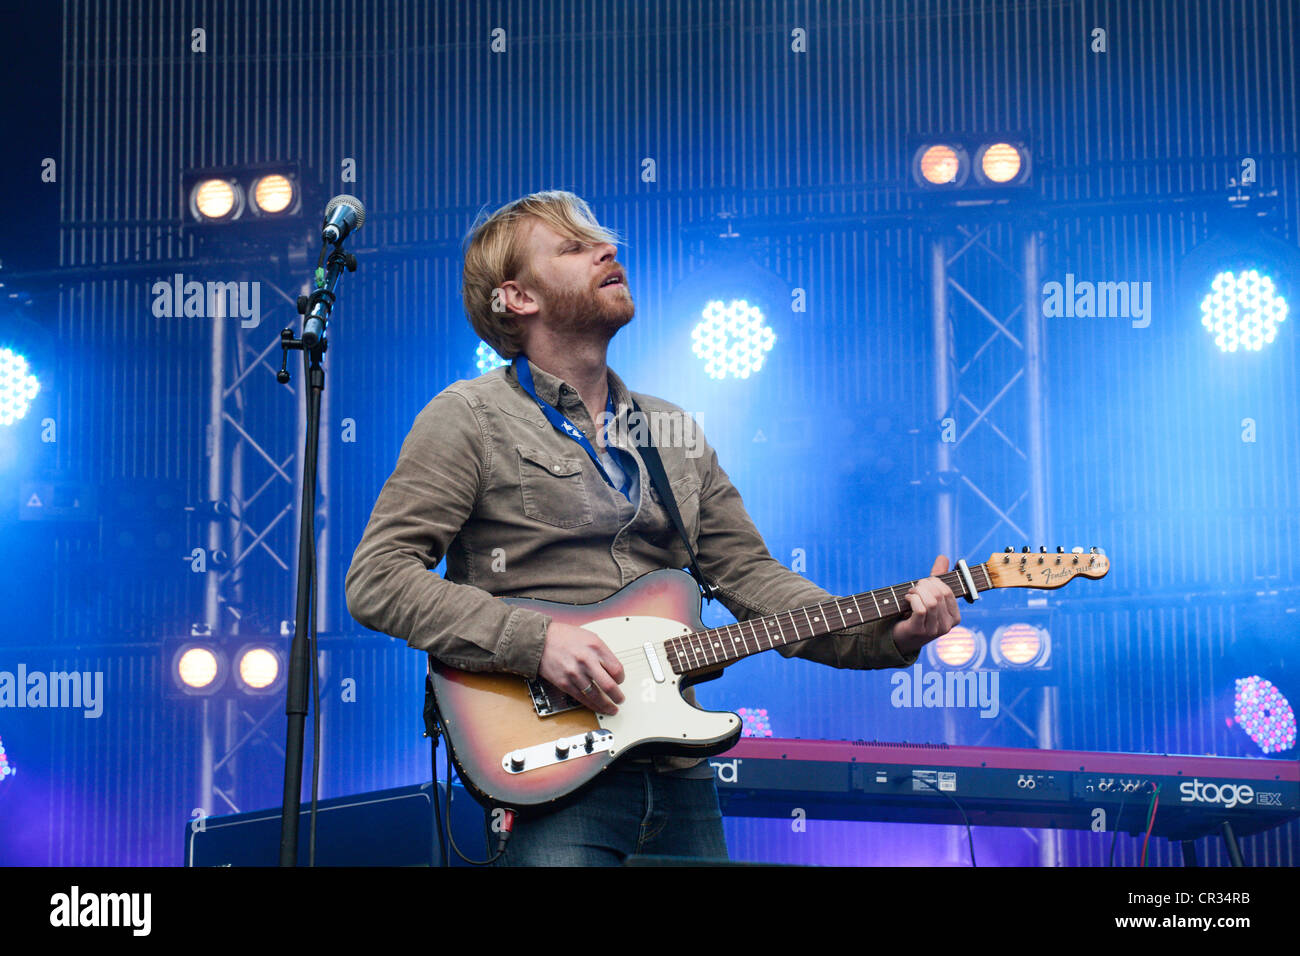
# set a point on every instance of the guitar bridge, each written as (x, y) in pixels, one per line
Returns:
(549, 699)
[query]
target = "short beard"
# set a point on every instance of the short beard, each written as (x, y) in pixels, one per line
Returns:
(580, 314)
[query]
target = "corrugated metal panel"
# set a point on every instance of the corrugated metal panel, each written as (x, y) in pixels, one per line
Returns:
(1145, 453)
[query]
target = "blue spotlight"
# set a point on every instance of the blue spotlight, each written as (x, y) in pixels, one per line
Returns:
(733, 338)
(18, 386)
(1243, 310)
(486, 358)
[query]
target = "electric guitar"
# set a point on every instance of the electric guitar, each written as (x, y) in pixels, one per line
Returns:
(524, 743)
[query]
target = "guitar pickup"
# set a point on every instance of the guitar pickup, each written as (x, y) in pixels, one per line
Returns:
(549, 699)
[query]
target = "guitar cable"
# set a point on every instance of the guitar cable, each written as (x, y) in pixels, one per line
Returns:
(434, 730)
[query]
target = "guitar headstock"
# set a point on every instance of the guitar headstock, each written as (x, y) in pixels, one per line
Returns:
(1044, 569)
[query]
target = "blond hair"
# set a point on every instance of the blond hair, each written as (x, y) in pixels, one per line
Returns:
(494, 253)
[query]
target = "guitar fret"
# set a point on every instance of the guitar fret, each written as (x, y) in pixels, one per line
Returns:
(877, 603)
(843, 622)
(694, 649)
(741, 639)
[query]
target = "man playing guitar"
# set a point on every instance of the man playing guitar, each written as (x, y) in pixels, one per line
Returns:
(528, 481)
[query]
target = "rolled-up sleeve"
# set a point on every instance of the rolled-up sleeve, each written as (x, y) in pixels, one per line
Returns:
(751, 583)
(391, 586)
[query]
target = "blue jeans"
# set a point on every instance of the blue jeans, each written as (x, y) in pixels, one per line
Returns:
(623, 812)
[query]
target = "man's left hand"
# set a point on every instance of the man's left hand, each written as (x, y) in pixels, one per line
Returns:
(934, 611)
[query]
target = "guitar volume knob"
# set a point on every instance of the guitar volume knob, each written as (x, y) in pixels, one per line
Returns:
(517, 760)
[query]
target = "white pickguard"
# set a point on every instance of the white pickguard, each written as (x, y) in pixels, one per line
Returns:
(653, 711)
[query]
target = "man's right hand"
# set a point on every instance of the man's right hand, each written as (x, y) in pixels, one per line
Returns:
(579, 663)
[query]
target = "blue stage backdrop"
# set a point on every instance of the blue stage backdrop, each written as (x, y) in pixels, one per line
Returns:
(791, 125)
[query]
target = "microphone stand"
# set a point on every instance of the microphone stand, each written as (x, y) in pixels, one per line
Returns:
(315, 309)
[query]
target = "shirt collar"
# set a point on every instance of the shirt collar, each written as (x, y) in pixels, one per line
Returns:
(549, 388)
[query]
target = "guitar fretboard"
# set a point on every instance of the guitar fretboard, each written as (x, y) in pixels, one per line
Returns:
(717, 646)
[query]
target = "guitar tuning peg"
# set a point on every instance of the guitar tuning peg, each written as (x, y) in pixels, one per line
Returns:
(1077, 550)
(1092, 550)
(1042, 549)
(1025, 549)
(1060, 549)
(1010, 550)
(1099, 550)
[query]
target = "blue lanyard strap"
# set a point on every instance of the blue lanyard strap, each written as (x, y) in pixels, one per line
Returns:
(562, 424)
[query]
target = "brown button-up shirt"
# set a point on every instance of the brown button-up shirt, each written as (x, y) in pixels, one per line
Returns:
(520, 510)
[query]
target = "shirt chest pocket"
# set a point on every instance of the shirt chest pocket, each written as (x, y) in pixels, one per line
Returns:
(553, 489)
(686, 490)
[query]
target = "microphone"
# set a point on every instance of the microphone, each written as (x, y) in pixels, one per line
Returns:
(343, 215)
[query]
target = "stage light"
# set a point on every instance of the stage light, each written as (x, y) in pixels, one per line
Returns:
(259, 669)
(1000, 169)
(6, 768)
(999, 162)
(244, 201)
(486, 358)
(1261, 710)
(941, 164)
(732, 338)
(197, 670)
(216, 200)
(1021, 646)
(1239, 282)
(18, 386)
(754, 722)
(1243, 310)
(273, 194)
(960, 649)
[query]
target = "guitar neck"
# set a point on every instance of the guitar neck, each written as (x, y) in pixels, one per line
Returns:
(717, 646)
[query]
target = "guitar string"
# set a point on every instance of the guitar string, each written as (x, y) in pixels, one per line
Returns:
(636, 657)
(836, 605)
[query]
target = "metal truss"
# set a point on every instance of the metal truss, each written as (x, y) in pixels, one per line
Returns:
(254, 494)
(988, 405)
